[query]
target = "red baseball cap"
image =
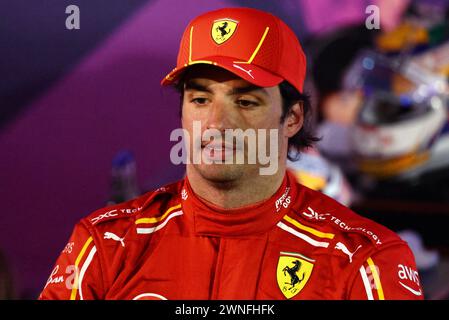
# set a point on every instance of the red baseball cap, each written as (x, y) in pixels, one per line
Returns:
(255, 45)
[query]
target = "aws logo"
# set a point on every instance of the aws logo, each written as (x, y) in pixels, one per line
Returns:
(407, 273)
(223, 29)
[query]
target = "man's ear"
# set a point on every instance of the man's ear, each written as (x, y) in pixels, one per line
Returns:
(295, 119)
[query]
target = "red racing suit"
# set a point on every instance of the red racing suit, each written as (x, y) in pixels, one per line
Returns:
(170, 244)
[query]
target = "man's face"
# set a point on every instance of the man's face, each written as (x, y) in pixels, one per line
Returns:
(217, 99)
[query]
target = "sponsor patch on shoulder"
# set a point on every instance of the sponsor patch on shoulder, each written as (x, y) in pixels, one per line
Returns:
(312, 214)
(409, 279)
(113, 213)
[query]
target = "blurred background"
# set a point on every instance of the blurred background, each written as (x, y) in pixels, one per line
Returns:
(85, 123)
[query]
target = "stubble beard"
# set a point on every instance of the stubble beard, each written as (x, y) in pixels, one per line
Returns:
(223, 176)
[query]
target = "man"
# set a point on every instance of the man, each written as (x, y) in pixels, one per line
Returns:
(232, 230)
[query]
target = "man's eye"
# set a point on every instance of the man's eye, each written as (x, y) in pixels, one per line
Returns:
(246, 103)
(199, 101)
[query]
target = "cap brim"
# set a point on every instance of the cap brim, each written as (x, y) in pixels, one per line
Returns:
(249, 72)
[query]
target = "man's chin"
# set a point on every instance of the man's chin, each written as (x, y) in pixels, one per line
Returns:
(221, 173)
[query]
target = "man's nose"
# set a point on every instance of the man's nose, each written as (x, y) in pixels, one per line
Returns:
(219, 116)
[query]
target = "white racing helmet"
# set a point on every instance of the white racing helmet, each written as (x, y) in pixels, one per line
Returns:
(403, 113)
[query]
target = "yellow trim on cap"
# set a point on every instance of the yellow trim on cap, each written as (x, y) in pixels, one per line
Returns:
(257, 48)
(190, 44)
(200, 61)
(190, 51)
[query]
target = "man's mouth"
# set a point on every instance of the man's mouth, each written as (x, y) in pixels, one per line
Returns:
(217, 146)
(218, 151)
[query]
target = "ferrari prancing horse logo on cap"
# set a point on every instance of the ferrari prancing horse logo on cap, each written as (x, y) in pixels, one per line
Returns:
(223, 29)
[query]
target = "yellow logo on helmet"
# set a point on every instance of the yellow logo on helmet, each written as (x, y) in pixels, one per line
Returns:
(223, 29)
(293, 273)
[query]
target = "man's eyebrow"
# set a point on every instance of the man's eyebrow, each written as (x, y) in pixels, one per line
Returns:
(247, 89)
(193, 85)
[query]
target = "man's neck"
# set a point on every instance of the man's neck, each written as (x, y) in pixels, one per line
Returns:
(238, 193)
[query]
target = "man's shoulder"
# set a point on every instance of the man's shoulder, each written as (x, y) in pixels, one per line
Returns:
(323, 212)
(150, 204)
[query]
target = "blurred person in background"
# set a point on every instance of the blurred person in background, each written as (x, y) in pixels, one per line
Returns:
(383, 117)
(399, 131)
(423, 29)
(332, 52)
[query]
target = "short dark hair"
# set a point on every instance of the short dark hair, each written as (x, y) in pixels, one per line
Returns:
(305, 137)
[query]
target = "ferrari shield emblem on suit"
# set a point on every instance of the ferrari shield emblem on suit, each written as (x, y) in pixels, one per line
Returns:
(223, 29)
(293, 272)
